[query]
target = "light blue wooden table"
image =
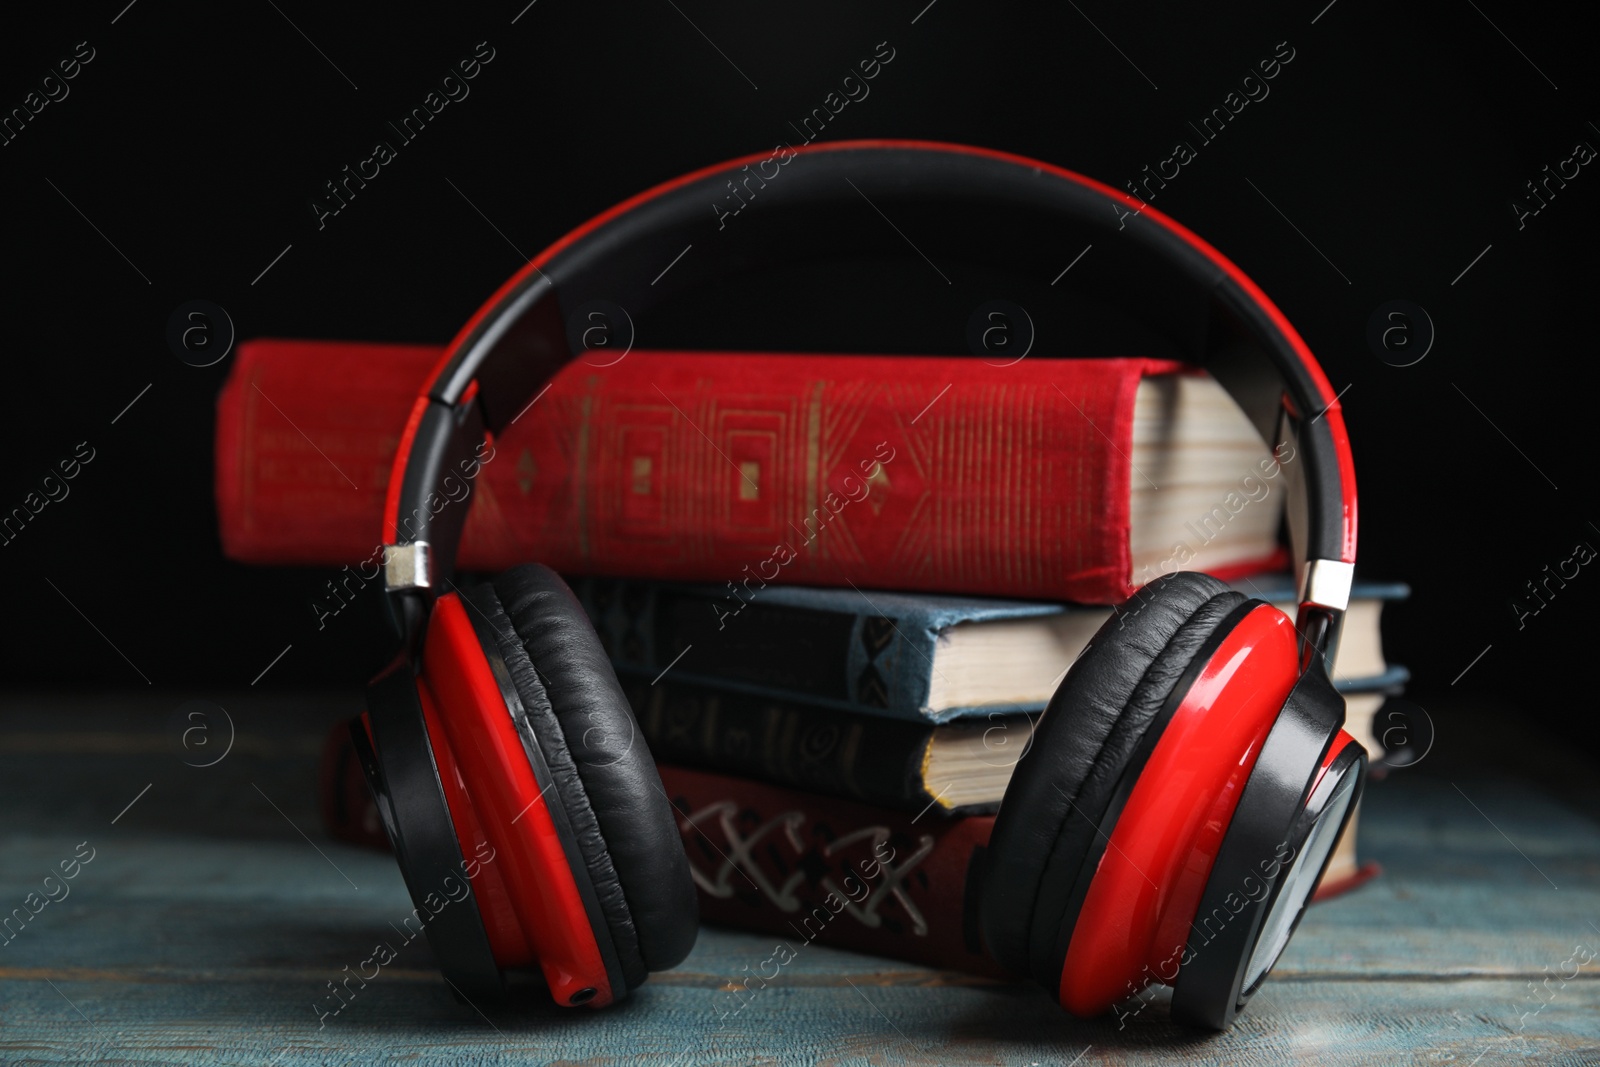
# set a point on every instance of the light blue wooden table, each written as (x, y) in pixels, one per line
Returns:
(214, 911)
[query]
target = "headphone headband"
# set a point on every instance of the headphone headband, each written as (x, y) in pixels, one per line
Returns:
(984, 206)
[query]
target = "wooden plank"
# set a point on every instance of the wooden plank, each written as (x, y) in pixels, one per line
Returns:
(238, 1022)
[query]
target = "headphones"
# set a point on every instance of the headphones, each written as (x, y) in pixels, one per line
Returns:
(1184, 788)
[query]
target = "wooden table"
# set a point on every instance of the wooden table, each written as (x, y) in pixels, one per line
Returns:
(214, 911)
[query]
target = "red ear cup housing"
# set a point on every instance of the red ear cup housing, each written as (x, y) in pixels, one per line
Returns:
(392, 744)
(1111, 827)
(536, 764)
(1267, 866)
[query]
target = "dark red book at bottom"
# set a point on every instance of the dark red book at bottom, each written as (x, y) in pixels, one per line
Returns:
(809, 868)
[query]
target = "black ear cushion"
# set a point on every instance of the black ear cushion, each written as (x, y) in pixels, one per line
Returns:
(1060, 791)
(600, 764)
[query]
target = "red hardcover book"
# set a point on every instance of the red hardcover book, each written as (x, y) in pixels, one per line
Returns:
(915, 473)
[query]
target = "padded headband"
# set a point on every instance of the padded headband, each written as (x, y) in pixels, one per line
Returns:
(811, 205)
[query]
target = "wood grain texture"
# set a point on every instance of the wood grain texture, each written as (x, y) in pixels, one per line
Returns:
(206, 928)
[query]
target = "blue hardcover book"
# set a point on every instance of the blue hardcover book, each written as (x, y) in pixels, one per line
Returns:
(923, 658)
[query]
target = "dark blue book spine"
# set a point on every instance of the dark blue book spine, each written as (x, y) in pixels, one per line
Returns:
(825, 652)
(842, 648)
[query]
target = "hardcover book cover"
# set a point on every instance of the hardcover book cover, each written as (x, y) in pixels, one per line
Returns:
(883, 471)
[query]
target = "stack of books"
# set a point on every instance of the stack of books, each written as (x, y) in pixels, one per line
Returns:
(839, 591)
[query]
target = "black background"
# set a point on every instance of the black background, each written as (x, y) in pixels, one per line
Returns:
(1396, 141)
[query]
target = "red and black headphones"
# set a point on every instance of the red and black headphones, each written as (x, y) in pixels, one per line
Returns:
(1183, 790)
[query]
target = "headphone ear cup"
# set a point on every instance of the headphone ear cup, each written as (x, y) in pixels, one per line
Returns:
(599, 763)
(1054, 811)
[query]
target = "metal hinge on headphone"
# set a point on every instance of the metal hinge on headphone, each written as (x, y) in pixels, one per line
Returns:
(407, 567)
